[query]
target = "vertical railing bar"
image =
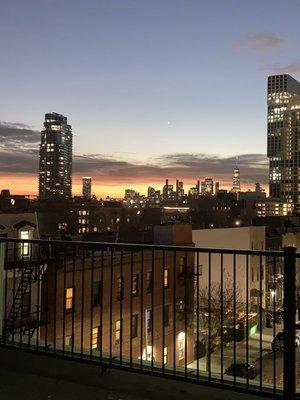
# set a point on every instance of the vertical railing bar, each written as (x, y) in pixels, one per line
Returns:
(73, 302)
(111, 303)
(131, 307)
(198, 311)
(4, 337)
(142, 295)
(289, 306)
(91, 306)
(163, 312)
(274, 324)
(185, 316)
(47, 273)
(29, 297)
(63, 304)
(13, 301)
(22, 295)
(82, 303)
(222, 319)
(38, 298)
(121, 305)
(247, 315)
(174, 312)
(101, 305)
(209, 316)
(234, 316)
(260, 323)
(55, 304)
(152, 308)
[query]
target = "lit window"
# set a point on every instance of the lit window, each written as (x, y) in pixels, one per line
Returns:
(165, 355)
(69, 340)
(118, 331)
(181, 342)
(166, 278)
(95, 337)
(24, 245)
(69, 299)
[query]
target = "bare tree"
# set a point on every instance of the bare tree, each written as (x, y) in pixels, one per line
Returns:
(216, 311)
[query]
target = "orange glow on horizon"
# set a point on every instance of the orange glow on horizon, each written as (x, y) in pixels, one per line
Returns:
(28, 185)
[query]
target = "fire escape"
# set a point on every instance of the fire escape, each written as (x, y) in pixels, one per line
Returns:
(20, 320)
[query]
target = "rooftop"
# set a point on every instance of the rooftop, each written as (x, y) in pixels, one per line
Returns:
(35, 377)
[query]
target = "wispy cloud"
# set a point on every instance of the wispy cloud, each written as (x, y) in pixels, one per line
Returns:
(19, 154)
(261, 42)
(291, 68)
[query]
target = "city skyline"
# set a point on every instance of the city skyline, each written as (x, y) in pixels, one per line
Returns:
(144, 103)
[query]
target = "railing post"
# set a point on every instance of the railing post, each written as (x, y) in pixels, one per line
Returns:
(289, 306)
(2, 283)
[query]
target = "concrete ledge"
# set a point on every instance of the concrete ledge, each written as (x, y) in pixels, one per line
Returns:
(130, 383)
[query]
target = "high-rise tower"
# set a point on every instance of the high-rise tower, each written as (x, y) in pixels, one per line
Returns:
(290, 155)
(281, 88)
(236, 182)
(55, 169)
(87, 187)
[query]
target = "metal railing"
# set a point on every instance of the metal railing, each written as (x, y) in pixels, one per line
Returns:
(209, 316)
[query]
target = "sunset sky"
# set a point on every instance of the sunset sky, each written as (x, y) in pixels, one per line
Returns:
(153, 89)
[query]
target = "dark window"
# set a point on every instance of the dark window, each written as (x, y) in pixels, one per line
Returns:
(166, 315)
(149, 282)
(134, 326)
(149, 320)
(25, 306)
(120, 295)
(135, 285)
(97, 288)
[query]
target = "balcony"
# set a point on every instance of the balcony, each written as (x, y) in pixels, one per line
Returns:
(170, 321)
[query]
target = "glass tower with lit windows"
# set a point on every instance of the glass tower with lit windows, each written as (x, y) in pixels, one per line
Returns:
(55, 168)
(281, 88)
(290, 177)
(236, 183)
(87, 187)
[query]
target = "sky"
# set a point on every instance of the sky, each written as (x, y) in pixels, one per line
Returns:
(153, 89)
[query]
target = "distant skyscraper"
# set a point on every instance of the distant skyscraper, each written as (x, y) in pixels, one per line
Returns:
(179, 190)
(236, 182)
(258, 188)
(217, 187)
(55, 168)
(207, 186)
(167, 190)
(87, 187)
(281, 88)
(290, 155)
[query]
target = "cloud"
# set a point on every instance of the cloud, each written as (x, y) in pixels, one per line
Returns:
(17, 135)
(261, 42)
(19, 154)
(291, 68)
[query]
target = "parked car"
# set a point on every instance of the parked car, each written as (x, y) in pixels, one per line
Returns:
(278, 342)
(242, 370)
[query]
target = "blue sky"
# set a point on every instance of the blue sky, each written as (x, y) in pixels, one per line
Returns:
(141, 79)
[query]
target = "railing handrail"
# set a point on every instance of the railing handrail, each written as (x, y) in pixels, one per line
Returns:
(129, 246)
